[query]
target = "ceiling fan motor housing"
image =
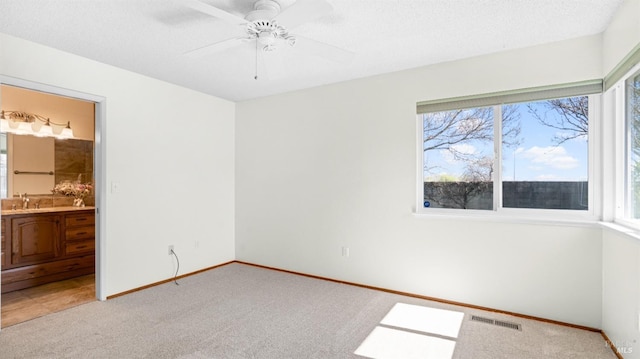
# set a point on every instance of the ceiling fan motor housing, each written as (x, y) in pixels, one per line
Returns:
(267, 32)
(263, 10)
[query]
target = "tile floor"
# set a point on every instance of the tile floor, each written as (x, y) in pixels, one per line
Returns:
(22, 305)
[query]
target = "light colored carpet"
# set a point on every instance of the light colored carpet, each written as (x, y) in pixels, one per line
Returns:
(242, 311)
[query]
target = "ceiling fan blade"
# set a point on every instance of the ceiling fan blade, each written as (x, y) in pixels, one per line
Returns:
(303, 11)
(215, 12)
(217, 47)
(324, 50)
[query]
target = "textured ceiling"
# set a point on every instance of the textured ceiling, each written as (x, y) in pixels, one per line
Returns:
(151, 37)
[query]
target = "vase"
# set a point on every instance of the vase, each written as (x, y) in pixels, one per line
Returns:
(78, 202)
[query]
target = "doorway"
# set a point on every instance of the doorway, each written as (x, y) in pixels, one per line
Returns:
(82, 286)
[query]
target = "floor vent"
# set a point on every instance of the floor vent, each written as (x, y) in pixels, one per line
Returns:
(499, 323)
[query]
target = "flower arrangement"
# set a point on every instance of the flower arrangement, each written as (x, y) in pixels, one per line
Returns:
(76, 189)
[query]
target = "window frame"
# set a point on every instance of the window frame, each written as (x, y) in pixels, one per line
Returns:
(592, 88)
(617, 103)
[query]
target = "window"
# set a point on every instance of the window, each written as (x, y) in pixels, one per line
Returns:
(547, 164)
(632, 119)
(520, 150)
(458, 158)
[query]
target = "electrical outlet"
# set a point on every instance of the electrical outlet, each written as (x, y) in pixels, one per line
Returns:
(170, 249)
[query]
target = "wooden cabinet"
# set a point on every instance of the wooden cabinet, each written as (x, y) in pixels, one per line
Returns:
(44, 247)
(3, 244)
(34, 239)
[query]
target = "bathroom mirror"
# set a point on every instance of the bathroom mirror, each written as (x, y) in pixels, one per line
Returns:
(34, 165)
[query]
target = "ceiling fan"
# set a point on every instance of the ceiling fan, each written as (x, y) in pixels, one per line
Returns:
(267, 27)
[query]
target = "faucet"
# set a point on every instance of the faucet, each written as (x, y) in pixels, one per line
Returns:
(25, 200)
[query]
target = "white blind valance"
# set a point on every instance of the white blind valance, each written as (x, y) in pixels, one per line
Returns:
(632, 59)
(513, 96)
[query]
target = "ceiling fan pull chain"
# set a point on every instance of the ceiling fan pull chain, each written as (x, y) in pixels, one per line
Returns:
(256, 76)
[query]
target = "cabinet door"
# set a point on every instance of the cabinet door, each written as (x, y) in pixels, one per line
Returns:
(34, 239)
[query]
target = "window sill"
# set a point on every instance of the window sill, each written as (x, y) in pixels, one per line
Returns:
(630, 230)
(582, 220)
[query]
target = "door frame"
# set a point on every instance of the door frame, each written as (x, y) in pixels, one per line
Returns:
(99, 164)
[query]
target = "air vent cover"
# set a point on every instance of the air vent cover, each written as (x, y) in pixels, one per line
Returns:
(499, 323)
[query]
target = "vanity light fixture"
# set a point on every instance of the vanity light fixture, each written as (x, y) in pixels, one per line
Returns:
(25, 123)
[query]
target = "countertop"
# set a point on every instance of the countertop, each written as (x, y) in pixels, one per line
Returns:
(9, 212)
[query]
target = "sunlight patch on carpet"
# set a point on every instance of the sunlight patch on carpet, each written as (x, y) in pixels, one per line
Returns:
(413, 331)
(424, 319)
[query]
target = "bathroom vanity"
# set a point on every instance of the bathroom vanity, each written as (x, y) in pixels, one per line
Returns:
(46, 245)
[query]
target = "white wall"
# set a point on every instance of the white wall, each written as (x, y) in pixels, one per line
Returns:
(335, 166)
(170, 150)
(622, 34)
(621, 291)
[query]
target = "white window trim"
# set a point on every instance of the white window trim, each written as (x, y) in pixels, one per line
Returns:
(618, 97)
(526, 215)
